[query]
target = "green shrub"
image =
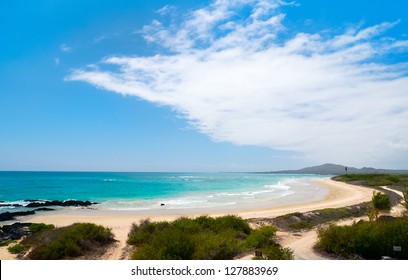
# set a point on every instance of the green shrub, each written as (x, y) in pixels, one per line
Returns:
(232, 222)
(301, 225)
(374, 180)
(216, 246)
(201, 238)
(16, 249)
(369, 240)
(261, 237)
(39, 227)
(276, 252)
(380, 202)
(169, 244)
(405, 197)
(68, 242)
(142, 232)
(6, 243)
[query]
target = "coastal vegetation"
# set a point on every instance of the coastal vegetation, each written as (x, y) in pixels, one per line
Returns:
(305, 221)
(80, 240)
(203, 238)
(405, 197)
(365, 239)
(371, 239)
(6, 243)
(16, 249)
(379, 202)
(37, 227)
(397, 181)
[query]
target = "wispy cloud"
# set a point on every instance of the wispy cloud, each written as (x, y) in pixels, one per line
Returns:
(165, 10)
(232, 76)
(100, 38)
(65, 48)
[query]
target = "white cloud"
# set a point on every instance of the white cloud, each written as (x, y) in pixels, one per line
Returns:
(165, 10)
(100, 39)
(65, 48)
(234, 79)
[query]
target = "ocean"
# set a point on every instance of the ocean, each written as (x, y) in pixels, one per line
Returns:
(157, 191)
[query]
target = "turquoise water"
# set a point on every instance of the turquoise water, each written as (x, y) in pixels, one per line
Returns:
(144, 191)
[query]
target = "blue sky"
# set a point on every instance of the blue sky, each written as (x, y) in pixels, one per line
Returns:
(202, 85)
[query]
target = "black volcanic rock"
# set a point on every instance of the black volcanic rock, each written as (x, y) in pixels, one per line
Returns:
(44, 209)
(14, 231)
(66, 203)
(41, 205)
(10, 215)
(10, 205)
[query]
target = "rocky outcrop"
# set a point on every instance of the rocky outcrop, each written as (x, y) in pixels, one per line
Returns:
(41, 205)
(2, 204)
(7, 216)
(10, 215)
(14, 231)
(65, 203)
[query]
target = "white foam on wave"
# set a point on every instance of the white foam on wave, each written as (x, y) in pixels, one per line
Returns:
(186, 177)
(278, 186)
(278, 189)
(283, 192)
(183, 202)
(19, 202)
(109, 180)
(175, 204)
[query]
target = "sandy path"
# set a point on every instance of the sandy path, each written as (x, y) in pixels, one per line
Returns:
(395, 191)
(5, 255)
(399, 209)
(340, 194)
(302, 245)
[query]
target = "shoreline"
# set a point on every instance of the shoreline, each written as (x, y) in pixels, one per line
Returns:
(339, 195)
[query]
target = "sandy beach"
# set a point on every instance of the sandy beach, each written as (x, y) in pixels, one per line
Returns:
(340, 194)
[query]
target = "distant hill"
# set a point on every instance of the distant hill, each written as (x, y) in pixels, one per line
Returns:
(336, 169)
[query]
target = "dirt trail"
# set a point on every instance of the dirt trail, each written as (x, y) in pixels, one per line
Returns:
(302, 245)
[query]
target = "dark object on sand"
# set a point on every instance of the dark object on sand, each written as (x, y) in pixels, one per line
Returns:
(10, 215)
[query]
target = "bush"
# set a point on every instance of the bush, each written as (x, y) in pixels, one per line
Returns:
(77, 240)
(261, 237)
(213, 246)
(301, 225)
(405, 197)
(16, 249)
(374, 180)
(39, 227)
(6, 243)
(276, 252)
(369, 240)
(380, 202)
(142, 232)
(203, 238)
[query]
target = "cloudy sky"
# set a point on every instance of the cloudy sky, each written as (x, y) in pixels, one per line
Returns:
(227, 85)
